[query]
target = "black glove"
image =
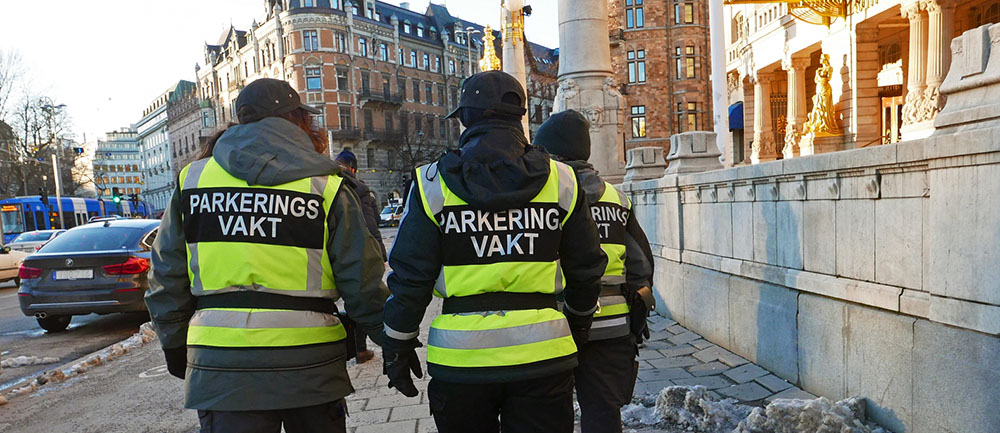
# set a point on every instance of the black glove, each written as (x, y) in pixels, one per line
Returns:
(397, 365)
(638, 312)
(176, 361)
(580, 327)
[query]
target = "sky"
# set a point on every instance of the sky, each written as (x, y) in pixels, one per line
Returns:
(107, 63)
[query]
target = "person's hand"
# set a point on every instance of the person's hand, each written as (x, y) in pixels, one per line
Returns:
(638, 312)
(580, 327)
(397, 367)
(176, 361)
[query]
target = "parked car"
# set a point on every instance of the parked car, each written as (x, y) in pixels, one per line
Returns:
(94, 268)
(29, 242)
(390, 216)
(10, 261)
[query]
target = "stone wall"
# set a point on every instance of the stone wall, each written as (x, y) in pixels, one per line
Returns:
(868, 272)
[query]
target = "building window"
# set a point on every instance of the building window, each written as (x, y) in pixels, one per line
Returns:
(345, 117)
(420, 30)
(388, 121)
(427, 61)
(370, 12)
(418, 124)
(437, 63)
(441, 100)
(362, 47)
(428, 92)
(335, 4)
(310, 40)
(413, 58)
(692, 116)
(356, 10)
(451, 67)
(370, 157)
(341, 42)
(689, 61)
(634, 17)
(369, 122)
(406, 27)
(443, 128)
(383, 52)
(416, 91)
(401, 85)
(638, 121)
(636, 66)
(314, 82)
(684, 13)
(366, 81)
(342, 79)
(309, 3)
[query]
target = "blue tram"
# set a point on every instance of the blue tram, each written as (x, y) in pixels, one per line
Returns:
(24, 214)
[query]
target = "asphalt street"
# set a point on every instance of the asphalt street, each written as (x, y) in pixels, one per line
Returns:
(20, 335)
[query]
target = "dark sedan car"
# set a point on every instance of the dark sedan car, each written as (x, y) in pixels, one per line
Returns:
(95, 268)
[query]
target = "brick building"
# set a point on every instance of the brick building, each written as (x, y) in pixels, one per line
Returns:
(385, 76)
(660, 58)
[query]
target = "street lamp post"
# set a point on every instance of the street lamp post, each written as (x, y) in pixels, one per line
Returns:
(469, 31)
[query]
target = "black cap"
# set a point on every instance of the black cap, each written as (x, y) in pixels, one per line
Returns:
(347, 158)
(492, 90)
(268, 97)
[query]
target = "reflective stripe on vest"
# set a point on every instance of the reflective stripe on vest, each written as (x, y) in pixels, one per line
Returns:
(611, 213)
(258, 238)
(516, 250)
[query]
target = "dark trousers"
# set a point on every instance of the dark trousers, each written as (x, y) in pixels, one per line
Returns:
(330, 417)
(605, 379)
(542, 405)
(361, 339)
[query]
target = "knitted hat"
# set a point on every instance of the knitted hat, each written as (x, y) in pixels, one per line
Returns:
(565, 134)
(347, 159)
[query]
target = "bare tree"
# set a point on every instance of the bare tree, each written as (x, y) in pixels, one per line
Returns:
(408, 150)
(11, 72)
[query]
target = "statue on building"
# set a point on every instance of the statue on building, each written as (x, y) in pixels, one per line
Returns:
(821, 121)
(490, 61)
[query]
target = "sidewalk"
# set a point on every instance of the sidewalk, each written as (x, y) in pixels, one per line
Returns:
(134, 393)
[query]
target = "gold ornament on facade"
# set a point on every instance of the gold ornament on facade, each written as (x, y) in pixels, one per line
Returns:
(512, 23)
(819, 12)
(490, 61)
(821, 121)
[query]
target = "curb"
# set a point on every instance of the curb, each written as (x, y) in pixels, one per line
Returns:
(80, 365)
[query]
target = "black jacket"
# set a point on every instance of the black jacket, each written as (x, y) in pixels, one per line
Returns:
(368, 206)
(495, 169)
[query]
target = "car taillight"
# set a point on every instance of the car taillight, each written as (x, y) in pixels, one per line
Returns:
(134, 265)
(26, 273)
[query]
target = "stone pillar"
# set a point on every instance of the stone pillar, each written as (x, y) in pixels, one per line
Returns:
(513, 49)
(796, 68)
(586, 84)
(940, 13)
(762, 149)
(916, 78)
(720, 91)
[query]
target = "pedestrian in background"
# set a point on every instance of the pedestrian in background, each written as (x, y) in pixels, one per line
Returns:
(606, 375)
(497, 229)
(349, 170)
(256, 244)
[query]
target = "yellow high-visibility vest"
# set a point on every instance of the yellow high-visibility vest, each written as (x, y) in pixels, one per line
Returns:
(510, 251)
(611, 213)
(269, 239)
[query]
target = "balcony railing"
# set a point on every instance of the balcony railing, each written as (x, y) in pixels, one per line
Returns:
(366, 96)
(346, 134)
(389, 136)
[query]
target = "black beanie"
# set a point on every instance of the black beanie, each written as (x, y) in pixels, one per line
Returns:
(347, 158)
(565, 134)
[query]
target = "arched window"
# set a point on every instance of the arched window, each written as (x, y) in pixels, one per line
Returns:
(737, 28)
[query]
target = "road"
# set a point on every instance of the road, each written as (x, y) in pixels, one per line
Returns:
(21, 336)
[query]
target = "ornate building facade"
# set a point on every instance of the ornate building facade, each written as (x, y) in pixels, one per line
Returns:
(190, 121)
(660, 57)
(384, 76)
(157, 168)
(887, 60)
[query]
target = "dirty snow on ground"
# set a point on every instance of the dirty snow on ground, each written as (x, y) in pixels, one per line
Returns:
(693, 409)
(21, 361)
(145, 335)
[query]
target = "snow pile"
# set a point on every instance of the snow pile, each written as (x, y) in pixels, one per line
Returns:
(139, 339)
(693, 408)
(802, 416)
(22, 361)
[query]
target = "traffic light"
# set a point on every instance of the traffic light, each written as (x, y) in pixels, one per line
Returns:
(116, 195)
(44, 194)
(78, 150)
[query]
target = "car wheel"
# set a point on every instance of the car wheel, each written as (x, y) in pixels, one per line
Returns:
(55, 323)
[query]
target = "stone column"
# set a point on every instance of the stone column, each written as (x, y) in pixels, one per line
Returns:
(916, 78)
(720, 92)
(513, 50)
(796, 68)
(940, 13)
(762, 149)
(586, 84)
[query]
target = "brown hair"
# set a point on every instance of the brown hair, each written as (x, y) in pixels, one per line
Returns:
(299, 117)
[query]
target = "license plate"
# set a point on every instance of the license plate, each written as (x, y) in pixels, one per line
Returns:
(75, 274)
